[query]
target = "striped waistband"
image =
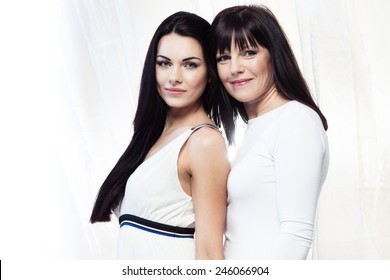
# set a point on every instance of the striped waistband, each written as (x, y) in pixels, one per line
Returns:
(154, 227)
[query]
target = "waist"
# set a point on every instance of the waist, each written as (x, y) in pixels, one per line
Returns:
(155, 227)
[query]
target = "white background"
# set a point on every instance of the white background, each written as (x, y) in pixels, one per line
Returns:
(69, 77)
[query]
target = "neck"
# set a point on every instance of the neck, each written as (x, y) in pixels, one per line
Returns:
(184, 117)
(265, 103)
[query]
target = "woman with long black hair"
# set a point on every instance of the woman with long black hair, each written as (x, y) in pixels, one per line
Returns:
(172, 177)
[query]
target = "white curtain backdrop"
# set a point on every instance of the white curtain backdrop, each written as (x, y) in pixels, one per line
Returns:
(69, 78)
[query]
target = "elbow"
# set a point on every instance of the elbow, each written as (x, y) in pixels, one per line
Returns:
(210, 253)
(209, 256)
(302, 231)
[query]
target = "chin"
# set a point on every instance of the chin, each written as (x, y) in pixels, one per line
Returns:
(240, 98)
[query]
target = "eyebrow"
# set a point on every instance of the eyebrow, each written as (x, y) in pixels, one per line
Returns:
(185, 59)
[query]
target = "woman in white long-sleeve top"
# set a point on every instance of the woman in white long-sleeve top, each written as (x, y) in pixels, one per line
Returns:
(280, 167)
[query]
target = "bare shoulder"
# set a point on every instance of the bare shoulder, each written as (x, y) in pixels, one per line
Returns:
(204, 154)
(206, 139)
(207, 155)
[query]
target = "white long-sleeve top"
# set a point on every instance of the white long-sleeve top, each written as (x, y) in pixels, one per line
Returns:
(274, 185)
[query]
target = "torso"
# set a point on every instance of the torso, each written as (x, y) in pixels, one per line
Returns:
(154, 192)
(267, 189)
(183, 162)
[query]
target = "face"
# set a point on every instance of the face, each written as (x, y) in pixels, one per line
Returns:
(181, 71)
(246, 74)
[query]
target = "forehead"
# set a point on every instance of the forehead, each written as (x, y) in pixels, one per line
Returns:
(175, 46)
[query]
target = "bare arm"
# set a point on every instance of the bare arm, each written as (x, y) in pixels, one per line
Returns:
(209, 167)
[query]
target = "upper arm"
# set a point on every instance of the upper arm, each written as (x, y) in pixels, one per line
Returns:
(299, 158)
(209, 168)
(299, 153)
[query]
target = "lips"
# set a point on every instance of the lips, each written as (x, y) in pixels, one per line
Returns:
(240, 82)
(175, 91)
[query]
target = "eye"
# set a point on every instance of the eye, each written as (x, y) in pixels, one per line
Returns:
(163, 63)
(191, 65)
(223, 58)
(249, 53)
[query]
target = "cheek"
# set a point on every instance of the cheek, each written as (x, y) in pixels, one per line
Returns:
(160, 78)
(268, 76)
(221, 69)
(198, 81)
(264, 68)
(224, 75)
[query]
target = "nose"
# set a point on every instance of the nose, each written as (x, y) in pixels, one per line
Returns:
(175, 76)
(235, 66)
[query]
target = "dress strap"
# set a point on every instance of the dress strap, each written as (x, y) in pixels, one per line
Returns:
(195, 128)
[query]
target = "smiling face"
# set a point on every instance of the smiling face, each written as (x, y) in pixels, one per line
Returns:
(181, 71)
(246, 74)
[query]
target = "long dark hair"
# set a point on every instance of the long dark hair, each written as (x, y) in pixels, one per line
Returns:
(151, 111)
(256, 25)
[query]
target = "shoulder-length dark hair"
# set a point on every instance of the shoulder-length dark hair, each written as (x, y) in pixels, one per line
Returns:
(151, 111)
(256, 25)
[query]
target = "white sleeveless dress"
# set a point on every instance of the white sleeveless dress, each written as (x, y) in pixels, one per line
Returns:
(156, 216)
